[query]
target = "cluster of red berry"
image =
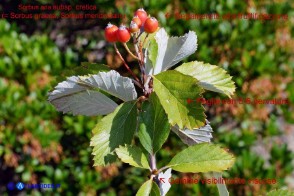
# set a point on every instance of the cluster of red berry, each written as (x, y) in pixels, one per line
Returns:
(123, 34)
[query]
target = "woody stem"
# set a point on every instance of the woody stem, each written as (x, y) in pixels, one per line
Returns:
(125, 64)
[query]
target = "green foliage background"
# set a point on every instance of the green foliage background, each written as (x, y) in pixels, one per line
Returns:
(40, 145)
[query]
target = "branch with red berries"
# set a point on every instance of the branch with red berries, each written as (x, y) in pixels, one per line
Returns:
(140, 23)
(161, 108)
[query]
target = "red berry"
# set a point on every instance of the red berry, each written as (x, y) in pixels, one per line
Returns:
(110, 33)
(151, 25)
(122, 34)
(137, 20)
(141, 14)
(134, 27)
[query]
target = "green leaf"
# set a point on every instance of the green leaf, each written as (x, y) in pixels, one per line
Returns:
(153, 49)
(154, 127)
(210, 77)
(203, 157)
(151, 56)
(132, 155)
(112, 131)
(151, 53)
(280, 192)
(149, 188)
(148, 37)
(173, 90)
(145, 189)
(155, 190)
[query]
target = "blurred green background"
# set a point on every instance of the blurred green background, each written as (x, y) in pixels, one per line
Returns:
(40, 145)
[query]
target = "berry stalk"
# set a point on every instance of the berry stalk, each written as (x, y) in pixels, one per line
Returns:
(126, 66)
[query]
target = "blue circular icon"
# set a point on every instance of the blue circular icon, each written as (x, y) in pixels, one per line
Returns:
(20, 185)
(10, 186)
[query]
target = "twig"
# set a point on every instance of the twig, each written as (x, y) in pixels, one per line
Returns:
(140, 34)
(125, 64)
(143, 74)
(163, 168)
(137, 49)
(137, 83)
(135, 42)
(127, 48)
(152, 162)
(154, 172)
(141, 63)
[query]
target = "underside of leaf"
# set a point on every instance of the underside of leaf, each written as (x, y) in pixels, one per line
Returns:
(112, 83)
(85, 103)
(194, 136)
(167, 51)
(82, 94)
(164, 185)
